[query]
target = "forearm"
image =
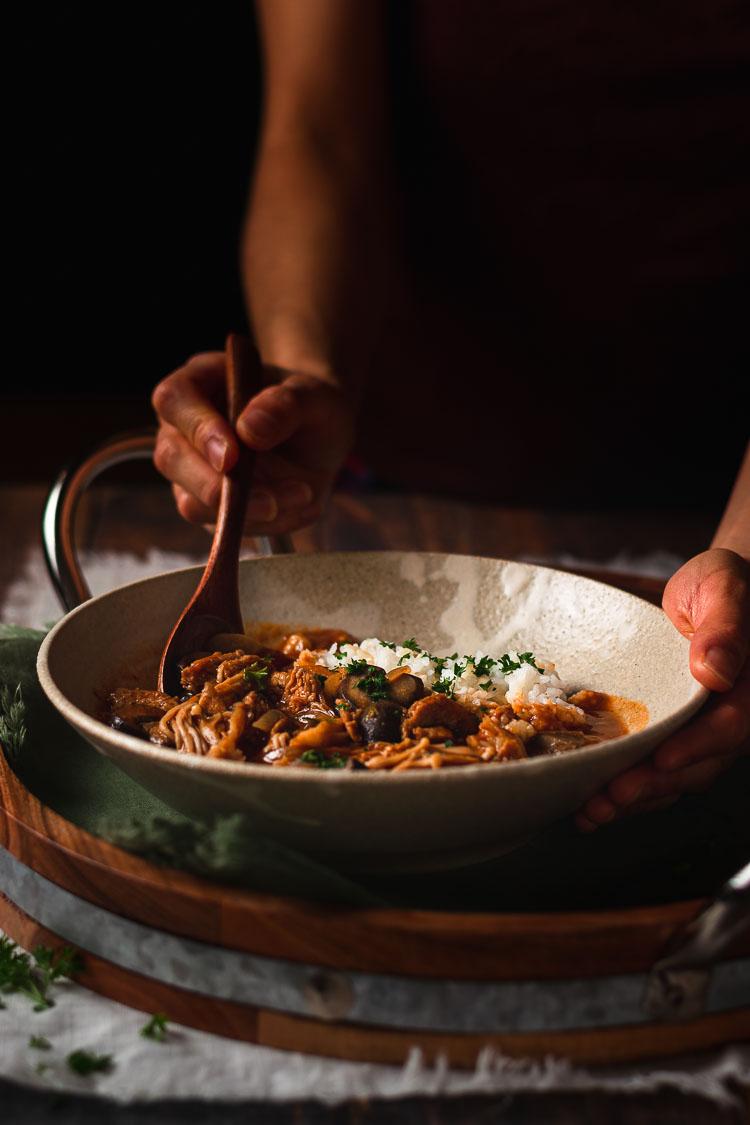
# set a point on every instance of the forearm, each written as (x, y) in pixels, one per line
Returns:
(312, 261)
(314, 245)
(733, 531)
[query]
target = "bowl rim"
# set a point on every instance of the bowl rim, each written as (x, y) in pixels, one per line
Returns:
(96, 730)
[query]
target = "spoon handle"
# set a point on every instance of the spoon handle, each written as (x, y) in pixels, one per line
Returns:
(215, 606)
(243, 380)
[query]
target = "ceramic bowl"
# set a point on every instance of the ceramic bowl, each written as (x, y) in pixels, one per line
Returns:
(598, 636)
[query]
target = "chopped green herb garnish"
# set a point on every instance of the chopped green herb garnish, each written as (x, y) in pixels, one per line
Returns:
(156, 1028)
(374, 683)
(412, 645)
(39, 1043)
(444, 687)
(508, 665)
(86, 1062)
(483, 666)
(258, 673)
(322, 760)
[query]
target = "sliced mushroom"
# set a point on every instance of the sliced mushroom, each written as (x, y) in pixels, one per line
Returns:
(380, 721)
(332, 687)
(404, 688)
(356, 686)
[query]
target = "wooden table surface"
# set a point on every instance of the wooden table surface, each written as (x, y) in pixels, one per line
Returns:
(132, 517)
(135, 517)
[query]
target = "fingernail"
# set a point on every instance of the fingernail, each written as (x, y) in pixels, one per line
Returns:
(217, 452)
(722, 663)
(262, 505)
(294, 494)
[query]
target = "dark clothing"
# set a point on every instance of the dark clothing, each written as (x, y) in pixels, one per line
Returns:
(569, 322)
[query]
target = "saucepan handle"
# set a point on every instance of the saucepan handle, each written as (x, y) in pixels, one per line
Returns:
(58, 521)
(678, 984)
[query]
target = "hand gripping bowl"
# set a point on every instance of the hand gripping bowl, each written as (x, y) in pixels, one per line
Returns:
(598, 636)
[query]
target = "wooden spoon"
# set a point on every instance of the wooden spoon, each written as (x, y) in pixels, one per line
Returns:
(215, 605)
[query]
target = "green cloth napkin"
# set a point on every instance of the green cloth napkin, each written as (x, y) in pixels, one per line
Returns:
(683, 852)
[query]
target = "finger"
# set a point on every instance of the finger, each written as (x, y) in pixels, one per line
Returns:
(176, 460)
(645, 789)
(708, 600)
(600, 814)
(721, 727)
(271, 417)
(187, 400)
(269, 511)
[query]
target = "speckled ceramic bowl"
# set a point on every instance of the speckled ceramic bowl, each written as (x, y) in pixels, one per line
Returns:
(598, 637)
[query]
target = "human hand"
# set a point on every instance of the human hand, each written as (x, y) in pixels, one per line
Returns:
(300, 426)
(708, 600)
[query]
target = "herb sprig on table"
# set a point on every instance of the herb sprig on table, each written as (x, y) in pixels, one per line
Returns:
(32, 978)
(87, 1062)
(156, 1028)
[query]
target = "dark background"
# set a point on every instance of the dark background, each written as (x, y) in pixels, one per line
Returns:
(135, 136)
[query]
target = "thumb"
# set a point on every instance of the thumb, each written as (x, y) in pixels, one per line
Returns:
(708, 600)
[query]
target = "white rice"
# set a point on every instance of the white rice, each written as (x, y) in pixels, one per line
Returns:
(535, 684)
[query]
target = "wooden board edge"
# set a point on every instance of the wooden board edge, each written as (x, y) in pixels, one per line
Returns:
(359, 1043)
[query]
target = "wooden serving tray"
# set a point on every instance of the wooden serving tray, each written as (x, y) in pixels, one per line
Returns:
(353, 983)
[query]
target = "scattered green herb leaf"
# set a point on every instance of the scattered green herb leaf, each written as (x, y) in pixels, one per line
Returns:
(87, 1062)
(156, 1028)
(39, 1043)
(17, 974)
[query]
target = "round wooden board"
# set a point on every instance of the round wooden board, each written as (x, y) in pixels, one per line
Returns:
(358, 1043)
(414, 945)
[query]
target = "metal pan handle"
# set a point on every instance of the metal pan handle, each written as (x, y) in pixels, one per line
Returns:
(58, 520)
(678, 982)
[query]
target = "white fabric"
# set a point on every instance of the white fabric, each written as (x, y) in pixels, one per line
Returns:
(195, 1065)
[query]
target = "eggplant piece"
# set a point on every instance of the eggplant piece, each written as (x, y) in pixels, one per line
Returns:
(380, 721)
